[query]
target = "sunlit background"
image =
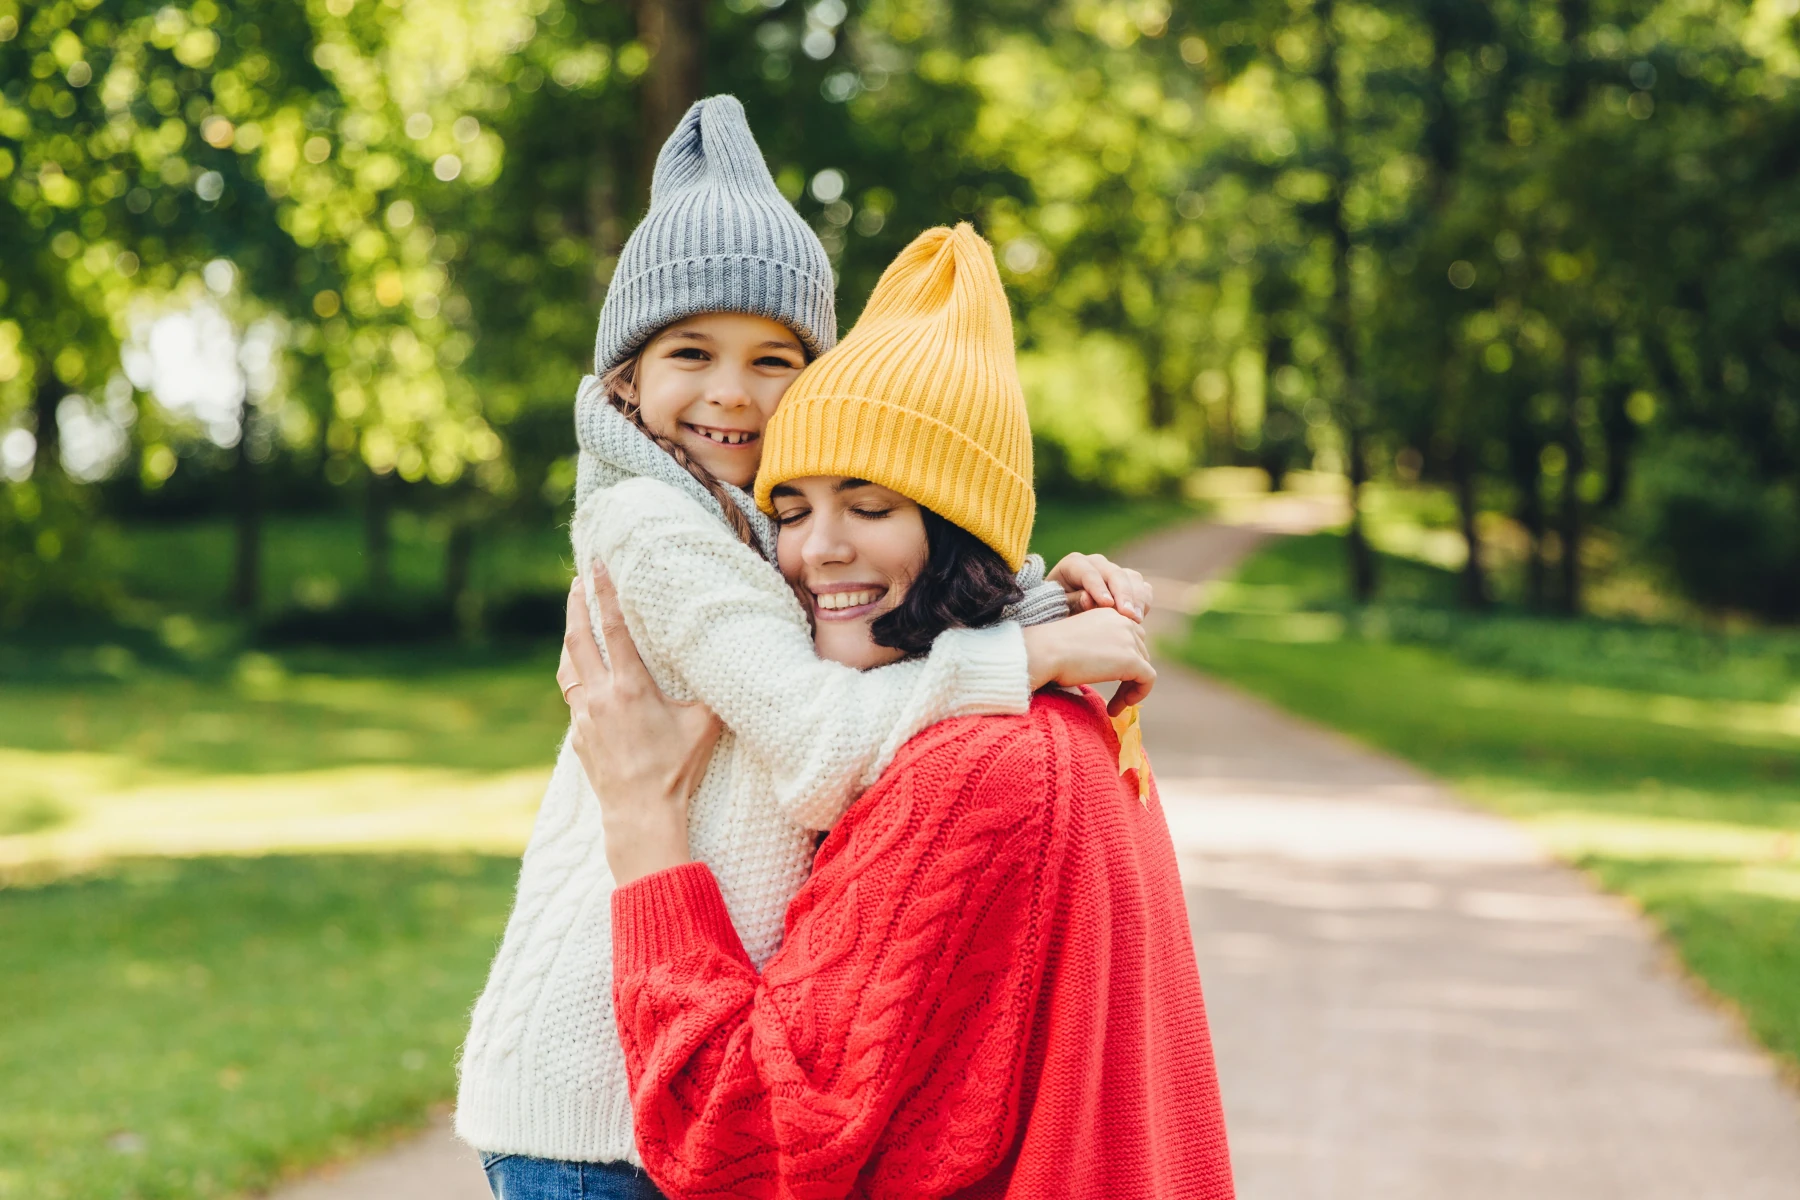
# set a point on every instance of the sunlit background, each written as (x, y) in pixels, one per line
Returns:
(295, 295)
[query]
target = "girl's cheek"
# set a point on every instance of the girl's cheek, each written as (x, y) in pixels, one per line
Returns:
(660, 401)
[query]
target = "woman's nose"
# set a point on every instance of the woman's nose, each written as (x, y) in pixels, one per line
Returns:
(825, 544)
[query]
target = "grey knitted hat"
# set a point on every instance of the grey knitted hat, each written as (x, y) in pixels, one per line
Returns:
(719, 237)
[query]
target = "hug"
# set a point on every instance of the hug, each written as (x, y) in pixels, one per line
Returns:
(842, 885)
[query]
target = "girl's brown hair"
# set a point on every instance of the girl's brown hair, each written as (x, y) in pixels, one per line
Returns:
(620, 387)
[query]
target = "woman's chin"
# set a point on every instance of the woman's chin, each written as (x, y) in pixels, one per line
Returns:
(849, 643)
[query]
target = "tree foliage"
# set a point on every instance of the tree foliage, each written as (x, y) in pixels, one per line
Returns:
(1510, 246)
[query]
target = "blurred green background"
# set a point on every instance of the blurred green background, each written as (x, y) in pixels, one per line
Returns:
(294, 297)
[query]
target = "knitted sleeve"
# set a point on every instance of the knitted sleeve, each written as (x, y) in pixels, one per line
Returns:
(716, 623)
(882, 1049)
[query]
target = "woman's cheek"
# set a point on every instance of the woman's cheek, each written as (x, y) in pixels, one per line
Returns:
(787, 555)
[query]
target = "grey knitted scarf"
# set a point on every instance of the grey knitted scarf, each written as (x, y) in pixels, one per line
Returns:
(613, 450)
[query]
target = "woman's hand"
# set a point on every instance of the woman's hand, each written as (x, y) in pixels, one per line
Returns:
(1094, 581)
(643, 753)
(1097, 646)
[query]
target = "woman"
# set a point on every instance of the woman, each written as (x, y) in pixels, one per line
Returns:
(987, 985)
(721, 295)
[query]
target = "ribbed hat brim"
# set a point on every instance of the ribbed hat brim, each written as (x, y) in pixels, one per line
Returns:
(938, 466)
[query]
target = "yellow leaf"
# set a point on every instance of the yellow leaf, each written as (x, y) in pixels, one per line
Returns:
(1131, 751)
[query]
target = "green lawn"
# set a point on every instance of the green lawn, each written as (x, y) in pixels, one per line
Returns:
(1665, 760)
(196, 1009)
(195, 1027)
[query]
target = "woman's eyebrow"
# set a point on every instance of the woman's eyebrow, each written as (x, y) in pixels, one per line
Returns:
(783, 490)
(850, 485)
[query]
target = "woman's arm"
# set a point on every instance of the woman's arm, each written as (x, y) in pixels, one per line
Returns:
(907, 975)
(717, 624)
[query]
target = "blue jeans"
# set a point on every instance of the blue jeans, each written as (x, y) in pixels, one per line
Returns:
(515, 1177)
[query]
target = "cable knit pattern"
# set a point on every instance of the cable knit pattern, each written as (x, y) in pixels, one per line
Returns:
(987, 987)
(542, 1071)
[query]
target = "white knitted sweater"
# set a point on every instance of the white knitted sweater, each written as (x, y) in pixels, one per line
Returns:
(542, 1072)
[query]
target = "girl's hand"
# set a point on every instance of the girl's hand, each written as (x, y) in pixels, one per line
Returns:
(1097, 646)
(643, 753)
(1094, 581)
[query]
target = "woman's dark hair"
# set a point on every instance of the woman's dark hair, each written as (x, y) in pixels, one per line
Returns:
(964, 584)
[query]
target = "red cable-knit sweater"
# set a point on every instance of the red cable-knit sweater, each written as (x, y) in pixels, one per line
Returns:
(986, 988)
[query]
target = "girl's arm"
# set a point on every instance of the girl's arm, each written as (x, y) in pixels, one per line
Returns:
(911, 962)
(716, 623)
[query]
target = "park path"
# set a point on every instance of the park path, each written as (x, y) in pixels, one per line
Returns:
(1408, 999)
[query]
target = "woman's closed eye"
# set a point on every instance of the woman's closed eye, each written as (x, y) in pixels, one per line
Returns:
(791, 516)
(872, 514)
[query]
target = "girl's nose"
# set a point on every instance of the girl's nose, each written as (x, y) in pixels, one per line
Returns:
(728, 389)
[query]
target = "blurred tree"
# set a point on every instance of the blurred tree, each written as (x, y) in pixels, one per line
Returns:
(1506, 247)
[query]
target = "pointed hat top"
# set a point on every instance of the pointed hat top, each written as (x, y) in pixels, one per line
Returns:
(719, 237)
(712, 145)
(922, 397)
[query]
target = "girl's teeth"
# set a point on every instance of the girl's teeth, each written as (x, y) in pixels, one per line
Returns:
(727, 439)
(832, 601)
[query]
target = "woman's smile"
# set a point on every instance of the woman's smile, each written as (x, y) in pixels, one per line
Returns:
(846, 601)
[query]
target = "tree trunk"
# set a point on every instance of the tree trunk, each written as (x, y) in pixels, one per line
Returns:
(377, 533)
(246, 573)
(1528, 480)
(1621, 434)
(674, 32)
(1474, 575)
(1277, 353)
(1342, 332)
(459, 556)
(44, 402)
(1162, 403)
(1356, 542)
(1575, 461)
(1571, 96)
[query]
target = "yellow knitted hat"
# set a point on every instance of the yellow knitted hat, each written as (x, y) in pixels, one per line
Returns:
(922, 397)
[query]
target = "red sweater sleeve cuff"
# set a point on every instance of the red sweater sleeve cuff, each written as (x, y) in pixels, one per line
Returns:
(668, 914)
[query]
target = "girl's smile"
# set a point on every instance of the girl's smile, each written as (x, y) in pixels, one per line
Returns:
(726, 437)
(709, 383)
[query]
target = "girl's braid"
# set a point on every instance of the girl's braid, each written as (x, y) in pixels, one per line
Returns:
(619, 385)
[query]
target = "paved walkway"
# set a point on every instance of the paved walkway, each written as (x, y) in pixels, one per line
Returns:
(1408, 1001)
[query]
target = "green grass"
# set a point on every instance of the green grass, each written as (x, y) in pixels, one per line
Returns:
(244, 751)
(188, 1026)
(196, 1027)
(1664, 759)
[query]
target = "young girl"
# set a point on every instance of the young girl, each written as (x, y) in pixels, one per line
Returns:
(721, 295)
